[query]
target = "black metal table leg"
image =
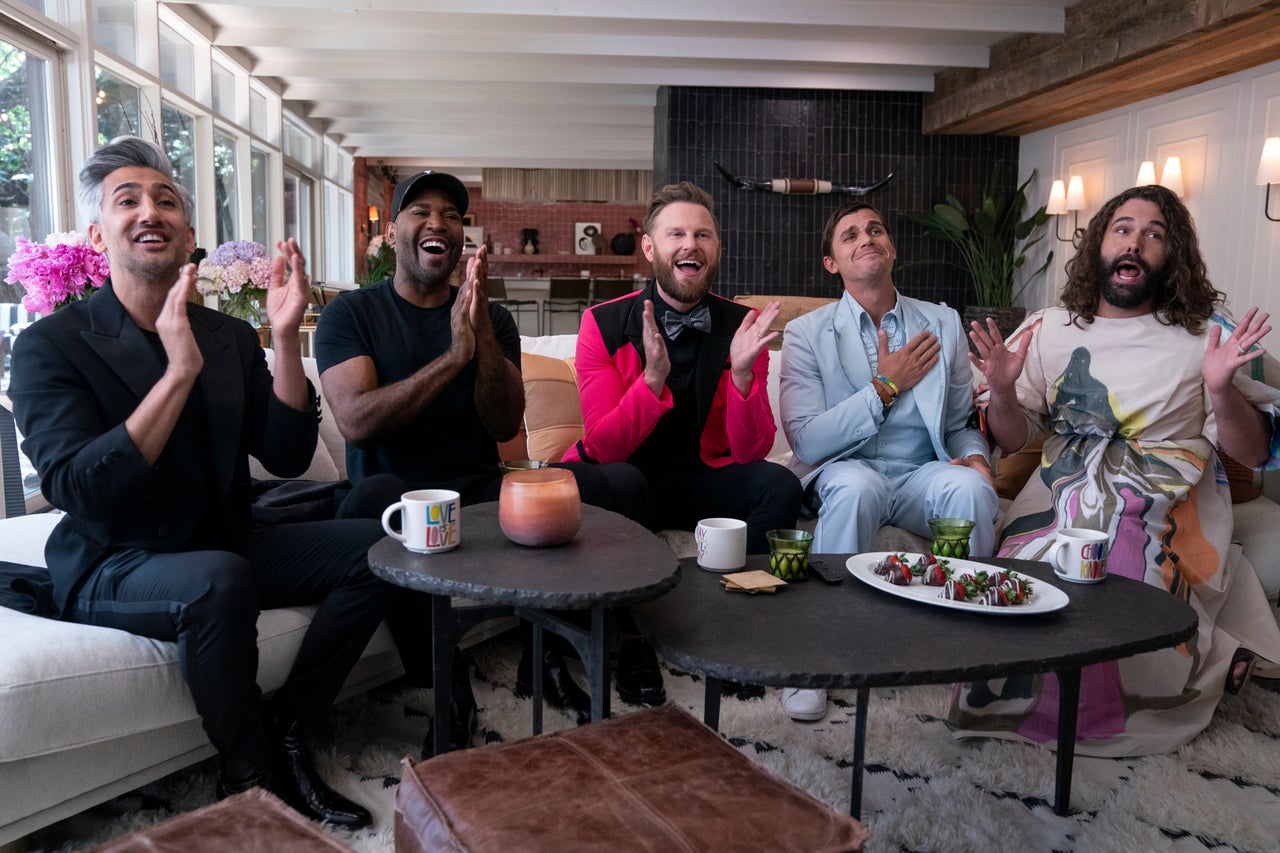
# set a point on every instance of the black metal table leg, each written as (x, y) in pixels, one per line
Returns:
(711, 703)
(538, 654)
(859, 751)
(597, 664)
(1068, 711)
(443, 643)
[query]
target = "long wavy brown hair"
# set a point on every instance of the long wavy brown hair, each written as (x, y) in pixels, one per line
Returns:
(1184, 298)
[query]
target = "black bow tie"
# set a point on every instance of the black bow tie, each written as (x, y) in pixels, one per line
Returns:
(673, 322)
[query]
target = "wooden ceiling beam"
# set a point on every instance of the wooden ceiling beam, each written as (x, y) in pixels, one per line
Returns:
(1111, 55)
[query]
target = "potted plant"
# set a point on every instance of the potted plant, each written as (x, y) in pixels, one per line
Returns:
(993, 239)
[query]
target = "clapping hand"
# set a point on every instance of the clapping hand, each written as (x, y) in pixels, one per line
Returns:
(287, 298)
(751, 338)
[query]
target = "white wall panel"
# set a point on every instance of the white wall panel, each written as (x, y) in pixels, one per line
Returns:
(1217, 130)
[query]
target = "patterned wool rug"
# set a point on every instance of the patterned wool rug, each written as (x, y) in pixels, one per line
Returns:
(923, 790)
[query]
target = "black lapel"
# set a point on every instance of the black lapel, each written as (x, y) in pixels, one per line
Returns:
(713, 355)
(119, 342)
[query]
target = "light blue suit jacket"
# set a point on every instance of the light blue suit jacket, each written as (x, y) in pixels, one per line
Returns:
(829, 407)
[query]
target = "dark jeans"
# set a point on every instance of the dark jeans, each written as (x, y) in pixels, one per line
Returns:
(209, 601)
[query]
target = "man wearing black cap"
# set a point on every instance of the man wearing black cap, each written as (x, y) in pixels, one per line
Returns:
(423, 378)
(424, 381)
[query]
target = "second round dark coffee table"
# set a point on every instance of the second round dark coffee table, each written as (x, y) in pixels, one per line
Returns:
(811, 634)
(612, 562)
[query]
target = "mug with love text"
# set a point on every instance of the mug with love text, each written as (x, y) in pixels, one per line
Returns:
(1079, 555)
(722, 544)
(430, 520)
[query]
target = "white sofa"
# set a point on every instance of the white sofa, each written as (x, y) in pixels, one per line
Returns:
(89, 713)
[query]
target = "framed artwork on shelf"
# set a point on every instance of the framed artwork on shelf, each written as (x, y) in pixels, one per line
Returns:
(472, 238)
(585, 235)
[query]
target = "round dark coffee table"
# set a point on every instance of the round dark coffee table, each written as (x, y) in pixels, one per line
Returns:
(813, 634)
(612, 562)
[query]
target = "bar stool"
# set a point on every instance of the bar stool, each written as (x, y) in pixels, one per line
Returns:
(604, 289)
(497, 290)
(566, 296)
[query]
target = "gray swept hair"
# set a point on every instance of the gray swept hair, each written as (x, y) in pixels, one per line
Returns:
(122, 153)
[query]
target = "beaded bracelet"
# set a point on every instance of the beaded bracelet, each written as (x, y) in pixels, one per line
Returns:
(889, 382)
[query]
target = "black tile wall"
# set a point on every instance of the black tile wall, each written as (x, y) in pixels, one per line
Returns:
(772, 243)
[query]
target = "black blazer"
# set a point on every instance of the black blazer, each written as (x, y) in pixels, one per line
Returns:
(80, 372)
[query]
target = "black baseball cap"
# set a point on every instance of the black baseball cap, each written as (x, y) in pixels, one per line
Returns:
(446, 183)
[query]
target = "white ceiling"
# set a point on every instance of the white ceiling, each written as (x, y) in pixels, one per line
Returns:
(572, 83)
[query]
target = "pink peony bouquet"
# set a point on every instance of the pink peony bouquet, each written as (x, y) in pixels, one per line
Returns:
(237, 273)
(57, 272)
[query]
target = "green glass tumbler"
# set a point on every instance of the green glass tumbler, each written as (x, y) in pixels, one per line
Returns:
(950, 537)
(789, 553)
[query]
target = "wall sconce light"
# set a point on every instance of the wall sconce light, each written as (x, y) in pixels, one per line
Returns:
(1269, 172)
(1146, 174)
(1171, 176)
(1063, 199)
(373, 221)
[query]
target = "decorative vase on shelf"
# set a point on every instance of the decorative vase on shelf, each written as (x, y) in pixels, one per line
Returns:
(623, 243)
(529, 241)
(540, 506)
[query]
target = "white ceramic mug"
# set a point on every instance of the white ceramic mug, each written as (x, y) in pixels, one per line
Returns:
(722, 544)
(430, 520)
(1079, 555)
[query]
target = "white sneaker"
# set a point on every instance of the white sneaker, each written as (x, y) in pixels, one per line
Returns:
(808, 705)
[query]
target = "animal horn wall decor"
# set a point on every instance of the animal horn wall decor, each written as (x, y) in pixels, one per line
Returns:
(798, 186)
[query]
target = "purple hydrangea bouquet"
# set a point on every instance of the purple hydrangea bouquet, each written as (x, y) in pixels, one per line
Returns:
(57, 272)
(237, 272)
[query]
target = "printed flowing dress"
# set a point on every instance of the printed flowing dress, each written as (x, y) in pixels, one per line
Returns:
(1129, 438)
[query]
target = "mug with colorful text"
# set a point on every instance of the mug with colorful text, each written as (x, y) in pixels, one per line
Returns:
(430, 520)
(1079, 555)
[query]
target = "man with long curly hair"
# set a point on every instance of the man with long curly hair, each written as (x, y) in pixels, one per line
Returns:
(1136, 383)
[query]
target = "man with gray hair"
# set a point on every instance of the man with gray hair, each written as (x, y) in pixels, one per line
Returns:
(140, 410)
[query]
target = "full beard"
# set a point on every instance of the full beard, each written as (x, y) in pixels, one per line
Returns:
(686, 291)
(1128, 296)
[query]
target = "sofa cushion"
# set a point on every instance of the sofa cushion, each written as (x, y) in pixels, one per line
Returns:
(93, 677)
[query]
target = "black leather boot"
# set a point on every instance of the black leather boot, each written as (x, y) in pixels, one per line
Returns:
(638, 676)
(559, 689)
(299, 785)
(239, 775)
(462, 711)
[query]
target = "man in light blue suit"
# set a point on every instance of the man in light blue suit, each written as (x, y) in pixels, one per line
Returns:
(876, 395)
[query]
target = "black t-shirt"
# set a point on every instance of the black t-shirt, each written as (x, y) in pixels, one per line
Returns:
(446, 446)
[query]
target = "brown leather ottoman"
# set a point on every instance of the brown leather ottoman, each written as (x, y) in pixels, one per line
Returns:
(652, 780)
(254, 820)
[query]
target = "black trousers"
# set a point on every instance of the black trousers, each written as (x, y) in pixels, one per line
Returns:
(764, 494)
(209, 601)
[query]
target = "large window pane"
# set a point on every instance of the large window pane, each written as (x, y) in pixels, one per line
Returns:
(119, 105)
(259, 169)
(224, 181)
(178, 131)
(26, 145)
(297, 210)
(114, 27)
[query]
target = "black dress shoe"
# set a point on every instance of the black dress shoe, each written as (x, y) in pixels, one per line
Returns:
(559, 690)
(299, 785)
(462, 713)
(638, 678)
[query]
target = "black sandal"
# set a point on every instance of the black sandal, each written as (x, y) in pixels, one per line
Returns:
(1236, 683)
